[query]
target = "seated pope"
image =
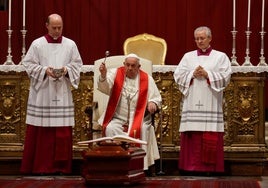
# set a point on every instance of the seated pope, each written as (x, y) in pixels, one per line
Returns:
(133, 97)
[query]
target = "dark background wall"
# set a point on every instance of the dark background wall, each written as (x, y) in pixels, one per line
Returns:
(100, 25)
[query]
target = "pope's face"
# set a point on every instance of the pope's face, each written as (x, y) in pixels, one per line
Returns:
(202, 40)
(132, 67)
(54, 27)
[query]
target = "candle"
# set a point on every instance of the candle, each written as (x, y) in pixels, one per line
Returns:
(23, 20)
(248, 14)
(233, 13)
(9, 14)
(262, 15)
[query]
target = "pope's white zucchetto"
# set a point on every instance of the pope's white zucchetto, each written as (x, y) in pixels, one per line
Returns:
(133, 55)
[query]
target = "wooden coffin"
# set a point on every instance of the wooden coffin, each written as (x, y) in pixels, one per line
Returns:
(113, 163)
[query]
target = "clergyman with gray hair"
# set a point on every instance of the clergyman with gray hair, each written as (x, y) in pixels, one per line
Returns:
(201, 76)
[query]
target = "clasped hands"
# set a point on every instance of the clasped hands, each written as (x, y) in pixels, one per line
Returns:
(200, 72)
(56, 73)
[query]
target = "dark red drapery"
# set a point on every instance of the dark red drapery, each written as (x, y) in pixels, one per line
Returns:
(100, 25)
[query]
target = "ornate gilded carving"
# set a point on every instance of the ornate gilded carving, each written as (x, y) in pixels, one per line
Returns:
(83, 97)
(10, 109)
(171, 98)
(243, 110)
(24, 93)
(246, 99)
(228, 104)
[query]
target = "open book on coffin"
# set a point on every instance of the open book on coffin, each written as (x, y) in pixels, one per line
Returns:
(119, 138)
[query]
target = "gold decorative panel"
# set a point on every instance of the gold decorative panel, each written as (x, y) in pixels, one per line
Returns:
(243, 112)
(83, 97)
(171, 98)
(13, 101)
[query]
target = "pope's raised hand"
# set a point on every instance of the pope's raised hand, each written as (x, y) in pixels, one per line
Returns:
(103, 70)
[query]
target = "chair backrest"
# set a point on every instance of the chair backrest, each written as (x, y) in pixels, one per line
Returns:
(111, 62)
(147, 46)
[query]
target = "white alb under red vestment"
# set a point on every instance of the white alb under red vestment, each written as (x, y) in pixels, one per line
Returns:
(140, 91)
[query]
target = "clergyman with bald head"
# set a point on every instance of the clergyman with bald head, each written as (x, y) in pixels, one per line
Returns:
(53, 65)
